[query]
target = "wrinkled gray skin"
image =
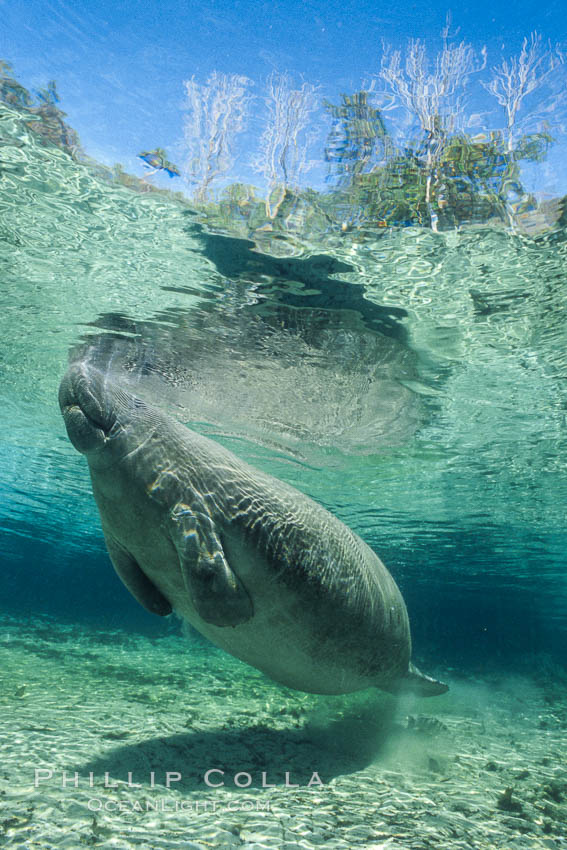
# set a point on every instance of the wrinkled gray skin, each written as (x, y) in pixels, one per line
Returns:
(253, 564)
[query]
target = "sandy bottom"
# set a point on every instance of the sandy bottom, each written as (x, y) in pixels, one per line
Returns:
(484, 766)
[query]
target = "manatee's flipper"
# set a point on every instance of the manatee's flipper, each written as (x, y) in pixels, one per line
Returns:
(216, 591)
(417, 683)
(136, 581)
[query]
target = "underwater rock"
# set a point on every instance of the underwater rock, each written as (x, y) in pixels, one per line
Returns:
(425, 725)
(507, 803)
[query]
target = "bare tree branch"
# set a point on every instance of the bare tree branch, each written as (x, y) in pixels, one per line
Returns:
(515, 78)
(282, 157)
(434, 97)
(217, 113)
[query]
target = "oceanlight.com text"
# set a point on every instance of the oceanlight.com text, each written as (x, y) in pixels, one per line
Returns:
(172, 805)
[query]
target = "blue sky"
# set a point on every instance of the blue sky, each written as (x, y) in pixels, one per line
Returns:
(120, 66)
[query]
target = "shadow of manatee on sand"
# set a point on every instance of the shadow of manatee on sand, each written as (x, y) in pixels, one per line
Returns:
(330, 749)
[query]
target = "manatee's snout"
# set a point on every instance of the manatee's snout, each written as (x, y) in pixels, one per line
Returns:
(86, 407)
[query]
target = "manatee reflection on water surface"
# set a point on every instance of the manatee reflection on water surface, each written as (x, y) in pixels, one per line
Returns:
(302, 371)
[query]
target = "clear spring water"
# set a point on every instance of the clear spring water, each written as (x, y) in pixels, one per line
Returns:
(410, 379)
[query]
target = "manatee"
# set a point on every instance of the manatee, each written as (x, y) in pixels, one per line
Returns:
(256, 566)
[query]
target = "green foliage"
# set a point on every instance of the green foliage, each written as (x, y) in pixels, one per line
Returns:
(45, 118)
(358, 136)
(393, 193)
(52, 125)
(10, 89)
(49, 96)
(157, 159)
(42, 115)
(440, 180)
(533, 146)
(456, 178)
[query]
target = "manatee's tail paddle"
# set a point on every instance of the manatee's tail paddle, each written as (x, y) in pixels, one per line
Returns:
(417, 683)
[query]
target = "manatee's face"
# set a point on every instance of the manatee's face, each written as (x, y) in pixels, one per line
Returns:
(102, 421)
